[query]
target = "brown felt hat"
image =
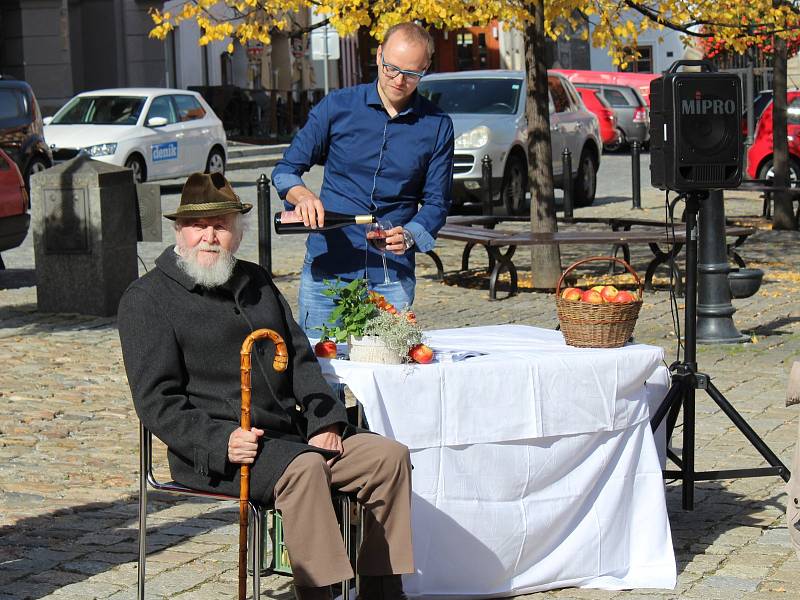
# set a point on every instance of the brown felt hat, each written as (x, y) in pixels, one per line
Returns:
(208, 195)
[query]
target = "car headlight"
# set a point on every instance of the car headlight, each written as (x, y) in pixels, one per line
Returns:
(475, 138)
(101, 149)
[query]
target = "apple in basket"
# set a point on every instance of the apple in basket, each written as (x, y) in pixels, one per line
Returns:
(572, 294)
(325, 349)
(421, 354)
(592, 297)
(609, 292)
(624, 297)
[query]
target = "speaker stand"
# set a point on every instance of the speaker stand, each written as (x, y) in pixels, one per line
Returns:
(686, 379)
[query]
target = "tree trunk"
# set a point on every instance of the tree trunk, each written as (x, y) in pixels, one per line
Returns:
(783, 216)
(545, 258)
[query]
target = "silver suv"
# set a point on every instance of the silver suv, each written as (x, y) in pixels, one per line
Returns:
(488, 112)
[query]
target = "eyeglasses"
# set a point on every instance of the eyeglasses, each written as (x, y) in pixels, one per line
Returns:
(392, 72)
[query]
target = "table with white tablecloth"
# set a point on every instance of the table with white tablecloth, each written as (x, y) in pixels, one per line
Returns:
(534, 463)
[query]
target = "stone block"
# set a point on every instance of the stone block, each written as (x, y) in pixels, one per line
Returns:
(84, 234)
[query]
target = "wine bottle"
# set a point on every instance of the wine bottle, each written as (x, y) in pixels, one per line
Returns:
(287, 221)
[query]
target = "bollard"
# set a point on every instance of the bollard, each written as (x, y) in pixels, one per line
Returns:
(486, 184)
(636, 176)
(566, 170)
(264, 225)
(714, 309)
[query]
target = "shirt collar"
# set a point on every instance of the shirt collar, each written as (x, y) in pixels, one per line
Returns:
(374, 99)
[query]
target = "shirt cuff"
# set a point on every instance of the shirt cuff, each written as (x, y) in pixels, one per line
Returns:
(422, 239)
(283, 182)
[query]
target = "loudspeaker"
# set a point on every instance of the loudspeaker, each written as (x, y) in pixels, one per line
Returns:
(695, 129)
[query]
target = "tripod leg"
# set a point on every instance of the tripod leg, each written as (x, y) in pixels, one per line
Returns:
(673, 395)
(748, 431)
(687, 460)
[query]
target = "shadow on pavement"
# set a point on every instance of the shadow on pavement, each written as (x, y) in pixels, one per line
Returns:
(717, 510)
(41, 554)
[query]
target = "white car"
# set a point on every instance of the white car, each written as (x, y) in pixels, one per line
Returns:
(488, 112)
(158, 133)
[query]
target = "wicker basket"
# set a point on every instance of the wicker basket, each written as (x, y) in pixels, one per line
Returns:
(597, 325)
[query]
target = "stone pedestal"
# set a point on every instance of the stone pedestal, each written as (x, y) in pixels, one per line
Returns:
(84, 226)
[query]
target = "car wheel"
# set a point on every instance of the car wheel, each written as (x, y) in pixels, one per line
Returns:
(215, 162)
(136, 164)
(619, 144)
(37, 165)
(768, 172)
(585, 184)
(515, 185)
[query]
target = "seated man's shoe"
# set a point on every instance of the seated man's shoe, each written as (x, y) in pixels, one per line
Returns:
(312, 593)
(381, 587)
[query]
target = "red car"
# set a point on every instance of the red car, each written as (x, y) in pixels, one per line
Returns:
(759, 157)
(14, 217)
(604, 113)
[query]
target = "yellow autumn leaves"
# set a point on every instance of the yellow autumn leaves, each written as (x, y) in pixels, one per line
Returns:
(616, 23)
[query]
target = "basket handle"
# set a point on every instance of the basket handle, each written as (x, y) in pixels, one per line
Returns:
(606, 259)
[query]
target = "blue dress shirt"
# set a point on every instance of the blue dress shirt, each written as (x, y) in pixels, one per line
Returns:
(373, 164)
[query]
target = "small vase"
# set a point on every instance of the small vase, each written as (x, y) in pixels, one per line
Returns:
(371, 348)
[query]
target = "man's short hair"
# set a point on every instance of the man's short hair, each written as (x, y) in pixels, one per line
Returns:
(413, 33)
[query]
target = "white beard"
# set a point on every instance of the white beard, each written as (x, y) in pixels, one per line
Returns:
(207, 276)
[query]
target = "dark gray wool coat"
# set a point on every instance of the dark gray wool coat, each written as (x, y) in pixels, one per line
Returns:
(181, 345)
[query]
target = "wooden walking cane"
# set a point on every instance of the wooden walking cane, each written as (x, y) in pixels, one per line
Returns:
(279, 363)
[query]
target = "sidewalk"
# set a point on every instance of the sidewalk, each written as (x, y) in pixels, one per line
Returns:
(69, 435)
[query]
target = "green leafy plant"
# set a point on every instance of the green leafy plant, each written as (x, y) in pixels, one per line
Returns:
(353, 309)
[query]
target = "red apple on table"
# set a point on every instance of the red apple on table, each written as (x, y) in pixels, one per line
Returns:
(421, 354)
(325, 349)
(609, 292)
(572, 294)
(624, 297)
(592, 297)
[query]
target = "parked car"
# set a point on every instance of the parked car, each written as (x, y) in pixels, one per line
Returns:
(606, 118)
(21, 129)
(158, 133)
(488, 112)
(760, 101)
(14, 217)
(759, 157)
(633, 117)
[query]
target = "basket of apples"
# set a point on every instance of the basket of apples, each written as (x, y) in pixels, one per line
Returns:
(600, 317)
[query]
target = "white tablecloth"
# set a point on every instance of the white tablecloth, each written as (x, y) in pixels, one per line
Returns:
(534, 464)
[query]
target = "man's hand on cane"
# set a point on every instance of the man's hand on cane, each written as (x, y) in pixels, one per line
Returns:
(243, 445)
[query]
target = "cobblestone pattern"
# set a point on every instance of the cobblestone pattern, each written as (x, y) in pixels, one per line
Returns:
(69, 439)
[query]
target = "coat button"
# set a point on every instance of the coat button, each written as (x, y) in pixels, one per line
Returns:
(236, 311)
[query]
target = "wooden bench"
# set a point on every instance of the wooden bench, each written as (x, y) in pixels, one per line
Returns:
(500, 260)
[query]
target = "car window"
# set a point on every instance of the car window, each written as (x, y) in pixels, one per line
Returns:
(571, 94)
(189, 108)
(162, 107)
(13, 104)
(471, 96)
(615, 97)
(793, 112)
(558, 95)
(100, 110)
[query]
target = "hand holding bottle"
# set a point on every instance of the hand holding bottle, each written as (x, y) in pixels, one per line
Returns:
(307, 205)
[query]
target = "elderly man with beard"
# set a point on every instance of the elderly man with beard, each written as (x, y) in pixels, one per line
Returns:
(181, 326)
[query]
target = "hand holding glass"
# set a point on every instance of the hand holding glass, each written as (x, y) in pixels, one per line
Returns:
(376, 236)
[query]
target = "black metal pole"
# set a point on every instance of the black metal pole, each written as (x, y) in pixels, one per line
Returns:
(486, 184)
(636, 174)
(264, 225)
(714, 308)
(566, 171)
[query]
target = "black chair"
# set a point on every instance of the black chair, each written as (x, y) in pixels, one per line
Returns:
(257, 515)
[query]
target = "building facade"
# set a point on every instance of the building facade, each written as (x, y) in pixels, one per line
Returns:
(64, 47)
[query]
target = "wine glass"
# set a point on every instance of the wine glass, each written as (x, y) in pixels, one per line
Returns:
(376, 236)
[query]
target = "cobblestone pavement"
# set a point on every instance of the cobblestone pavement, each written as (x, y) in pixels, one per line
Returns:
(68, 433)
